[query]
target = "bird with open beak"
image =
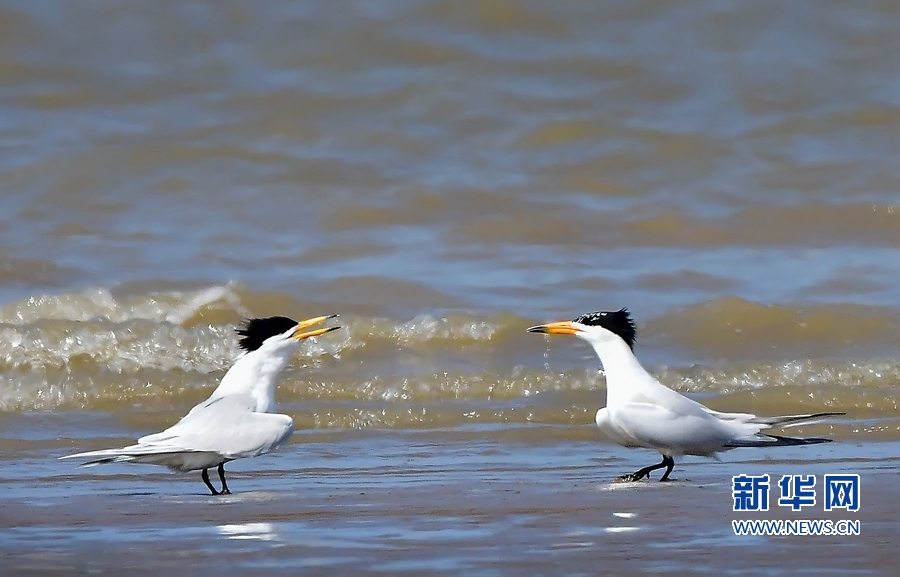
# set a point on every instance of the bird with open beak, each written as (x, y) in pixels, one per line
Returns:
(237, 420)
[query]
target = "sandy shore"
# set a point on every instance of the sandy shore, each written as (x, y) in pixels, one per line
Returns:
(447, 502)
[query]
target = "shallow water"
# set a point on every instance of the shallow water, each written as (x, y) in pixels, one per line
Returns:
(443, 175)
(483, 502)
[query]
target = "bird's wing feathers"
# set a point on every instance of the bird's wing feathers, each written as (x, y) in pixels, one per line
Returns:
(671, 431)
(666, 398)
(678, 428)
(763, 440)
(226, 426)
(204, 413)
(178, 459)
(782, 421)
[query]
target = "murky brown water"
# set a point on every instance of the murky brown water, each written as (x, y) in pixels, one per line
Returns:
(443, 174)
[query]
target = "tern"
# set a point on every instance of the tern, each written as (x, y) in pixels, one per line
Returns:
(641, 412)
(237, 420)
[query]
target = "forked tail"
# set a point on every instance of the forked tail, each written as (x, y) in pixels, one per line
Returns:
(783, 421)
(793, 420)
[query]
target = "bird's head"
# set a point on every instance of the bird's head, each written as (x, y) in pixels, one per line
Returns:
(278, 334)
(596, 328)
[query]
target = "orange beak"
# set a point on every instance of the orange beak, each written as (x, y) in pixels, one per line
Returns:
(300, 335)
(560, 328)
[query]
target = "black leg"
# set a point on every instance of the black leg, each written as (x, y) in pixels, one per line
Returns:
(667, 462)
(225, 490)
(205, 476)
(670, 464)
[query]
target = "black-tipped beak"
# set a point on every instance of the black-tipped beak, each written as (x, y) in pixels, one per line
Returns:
(299, 335)
(560, 328)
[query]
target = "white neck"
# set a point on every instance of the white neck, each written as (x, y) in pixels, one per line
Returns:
(256, 374)
(625, 377)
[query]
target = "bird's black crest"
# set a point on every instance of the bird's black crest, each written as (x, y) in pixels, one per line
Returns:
(618, 322)
(255, 331)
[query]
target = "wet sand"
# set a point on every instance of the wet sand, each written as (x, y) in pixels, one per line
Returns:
(474, 502)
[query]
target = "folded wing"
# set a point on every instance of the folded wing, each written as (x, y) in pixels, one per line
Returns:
(217, 430)
(672, 432)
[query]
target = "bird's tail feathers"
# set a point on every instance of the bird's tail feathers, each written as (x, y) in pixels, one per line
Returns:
(105, 460)
(775, 441)
(783, 421)
(795, 420)
(174, 457)
(131, 450)
(104, 454)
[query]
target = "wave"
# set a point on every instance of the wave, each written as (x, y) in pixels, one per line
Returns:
(163, 350)
(731, 327)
